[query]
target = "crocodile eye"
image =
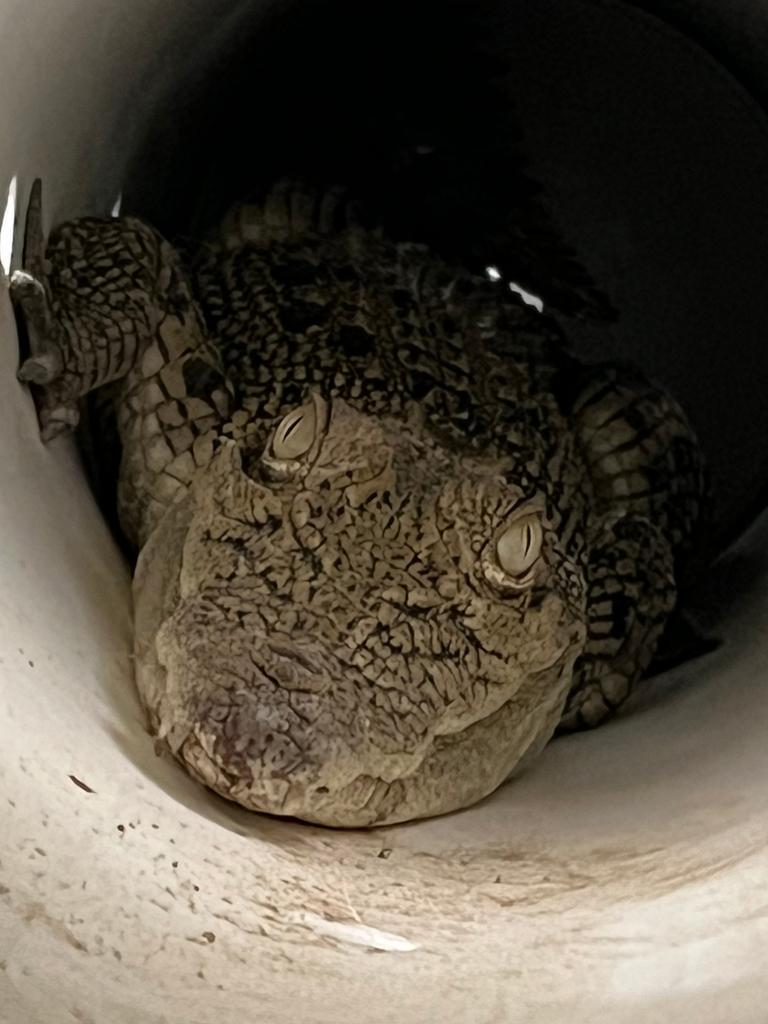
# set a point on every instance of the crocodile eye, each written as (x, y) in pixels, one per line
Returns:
(295, 433)
(519, 547)
(288, 451)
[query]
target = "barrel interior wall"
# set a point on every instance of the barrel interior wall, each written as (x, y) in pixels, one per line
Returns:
(617, 879)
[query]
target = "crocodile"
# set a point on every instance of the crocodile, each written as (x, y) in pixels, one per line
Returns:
(392, 534)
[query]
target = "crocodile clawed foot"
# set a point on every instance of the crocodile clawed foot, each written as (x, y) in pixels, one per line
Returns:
(44, 367)
(30, 296)
(57, 419)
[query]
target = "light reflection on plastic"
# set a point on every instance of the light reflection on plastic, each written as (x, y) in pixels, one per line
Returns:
(7, 227)
(493, 273)
(117, 205)
(528, 297)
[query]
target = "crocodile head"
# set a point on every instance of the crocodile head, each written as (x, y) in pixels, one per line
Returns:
(357, 624)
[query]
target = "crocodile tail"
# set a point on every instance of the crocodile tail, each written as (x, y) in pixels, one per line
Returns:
(290, 212)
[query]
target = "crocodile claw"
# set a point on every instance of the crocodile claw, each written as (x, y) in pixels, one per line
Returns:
(57, 412)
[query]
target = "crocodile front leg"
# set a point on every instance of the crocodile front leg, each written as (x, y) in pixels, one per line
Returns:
(646, 471)
(631, 593)
(107, 302)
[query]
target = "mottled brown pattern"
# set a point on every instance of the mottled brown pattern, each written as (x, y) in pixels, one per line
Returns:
(391, 534)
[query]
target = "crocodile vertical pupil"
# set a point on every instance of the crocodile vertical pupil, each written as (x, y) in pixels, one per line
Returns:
(295, 434)
(519, 547)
